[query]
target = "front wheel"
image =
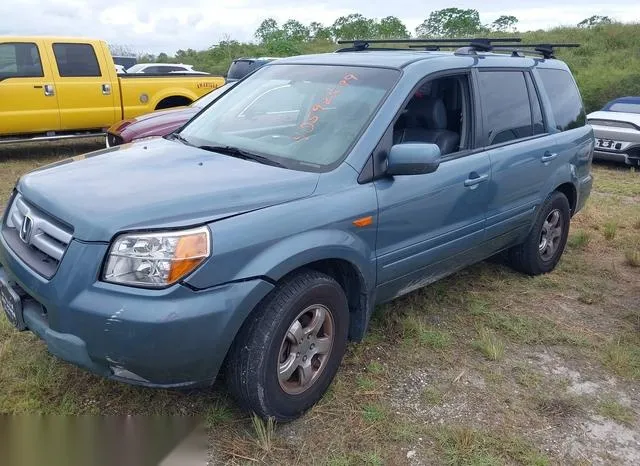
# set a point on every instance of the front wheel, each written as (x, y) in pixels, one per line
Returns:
(541, 251)
(285, 357)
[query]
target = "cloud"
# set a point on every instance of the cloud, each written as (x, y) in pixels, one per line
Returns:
(167, 25)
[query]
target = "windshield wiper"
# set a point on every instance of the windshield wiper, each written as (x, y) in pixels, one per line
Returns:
(243, 154)
(178, 137)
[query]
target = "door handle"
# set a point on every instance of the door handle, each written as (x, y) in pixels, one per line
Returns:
(475, 180)
(106, 89)
(548, 156)
(49, 91)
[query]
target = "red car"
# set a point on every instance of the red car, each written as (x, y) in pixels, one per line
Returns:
(159, 123)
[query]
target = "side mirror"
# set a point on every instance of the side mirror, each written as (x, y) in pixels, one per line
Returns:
(413, 159)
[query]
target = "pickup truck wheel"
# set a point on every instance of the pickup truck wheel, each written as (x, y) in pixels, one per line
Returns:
(541, 251)
(288, 352)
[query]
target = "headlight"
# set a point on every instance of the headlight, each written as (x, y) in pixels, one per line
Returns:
(156, 259)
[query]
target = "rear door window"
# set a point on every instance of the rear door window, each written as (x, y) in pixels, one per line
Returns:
(76, 60)
(20, 60)
(566, 103)
(505, 105)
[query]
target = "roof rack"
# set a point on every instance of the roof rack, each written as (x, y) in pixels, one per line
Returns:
(511, 44)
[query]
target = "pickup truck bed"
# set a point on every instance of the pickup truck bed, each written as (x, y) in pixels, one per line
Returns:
(54, 87)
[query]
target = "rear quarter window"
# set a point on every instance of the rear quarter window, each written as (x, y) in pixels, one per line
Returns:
(566, 103)
(76, 60)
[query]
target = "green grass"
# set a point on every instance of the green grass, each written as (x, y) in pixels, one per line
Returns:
(489, 344)
(632, 257)
(432, 395)
(415, 330)
(365, 383)
(612, 409)
(580, 239)
(263, 431)
(466, 446)
(622, 358)
(522, 329)
(373, 413)
(610, 229)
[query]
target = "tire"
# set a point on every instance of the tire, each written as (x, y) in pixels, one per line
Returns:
(529, 257)
(270, 343)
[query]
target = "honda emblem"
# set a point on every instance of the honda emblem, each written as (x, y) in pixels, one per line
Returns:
(25, 229)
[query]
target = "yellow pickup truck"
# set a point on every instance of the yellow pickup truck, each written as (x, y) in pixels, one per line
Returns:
(55, 87)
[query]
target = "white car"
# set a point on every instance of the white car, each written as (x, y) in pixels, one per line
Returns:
(120, 69)
(162, 68)
(616, 128)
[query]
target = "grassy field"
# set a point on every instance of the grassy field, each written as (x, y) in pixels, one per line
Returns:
(486, 367)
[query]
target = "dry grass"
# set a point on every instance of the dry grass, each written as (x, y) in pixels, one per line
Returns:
(433, 375)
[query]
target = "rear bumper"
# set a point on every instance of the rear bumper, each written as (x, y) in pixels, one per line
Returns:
(177, 337)
(632, 158)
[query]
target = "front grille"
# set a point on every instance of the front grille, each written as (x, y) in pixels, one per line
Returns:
(37, 238)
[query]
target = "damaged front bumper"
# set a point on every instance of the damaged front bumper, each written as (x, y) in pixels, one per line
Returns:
(171, 338)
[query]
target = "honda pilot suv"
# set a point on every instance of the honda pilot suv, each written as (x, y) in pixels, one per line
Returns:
(257, 240)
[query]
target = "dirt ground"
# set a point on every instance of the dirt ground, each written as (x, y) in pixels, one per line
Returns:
(484, 367)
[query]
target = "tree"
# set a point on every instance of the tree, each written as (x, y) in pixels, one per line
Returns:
(163, 58)
(353, 26)
(120, 50)
(268, 30)
(295, 31)
(504, 23)
(318, 31)
(450, 22)
(391, 28)
(594, 21)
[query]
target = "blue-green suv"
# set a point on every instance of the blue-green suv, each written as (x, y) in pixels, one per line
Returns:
(257, 240)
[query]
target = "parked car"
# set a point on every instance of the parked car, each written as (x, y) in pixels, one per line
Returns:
(240, 67)
(258, 239)
(161, 122)
(162, 68)
(54, 87)
(617, 131)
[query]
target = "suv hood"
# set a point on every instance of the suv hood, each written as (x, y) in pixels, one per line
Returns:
(156, 184)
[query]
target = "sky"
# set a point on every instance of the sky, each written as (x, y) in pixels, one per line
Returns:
(153, 26)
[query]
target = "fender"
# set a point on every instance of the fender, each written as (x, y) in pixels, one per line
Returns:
(173, 92)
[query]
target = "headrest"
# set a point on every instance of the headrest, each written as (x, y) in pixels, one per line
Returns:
(427, 113)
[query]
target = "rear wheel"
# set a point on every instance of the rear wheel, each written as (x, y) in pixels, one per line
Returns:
(285, 357)
(541, 251)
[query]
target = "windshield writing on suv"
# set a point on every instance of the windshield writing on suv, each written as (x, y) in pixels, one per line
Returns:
(302, 116)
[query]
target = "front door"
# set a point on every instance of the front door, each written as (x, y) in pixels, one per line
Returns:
(433, 224)
(85, 96)
(28, 102)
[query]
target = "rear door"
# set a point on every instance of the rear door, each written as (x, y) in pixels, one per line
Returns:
(83, 85)
(28, 101)
(515, 139)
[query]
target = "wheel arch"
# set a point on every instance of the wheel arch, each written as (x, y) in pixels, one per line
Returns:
(570, 191)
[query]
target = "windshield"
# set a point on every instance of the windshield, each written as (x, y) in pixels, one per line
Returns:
(206, 99)
(625, 107)
(302, 116)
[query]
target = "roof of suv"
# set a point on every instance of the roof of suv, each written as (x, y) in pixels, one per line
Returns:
(399, 58)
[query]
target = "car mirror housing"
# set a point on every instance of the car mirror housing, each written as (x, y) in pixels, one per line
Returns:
(413, 159)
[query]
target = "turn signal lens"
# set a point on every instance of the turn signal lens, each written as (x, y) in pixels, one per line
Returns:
(190, 252)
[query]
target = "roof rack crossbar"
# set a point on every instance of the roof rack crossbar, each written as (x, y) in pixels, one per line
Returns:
(512, 44)
(432, 41)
